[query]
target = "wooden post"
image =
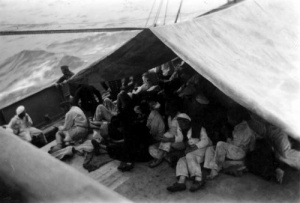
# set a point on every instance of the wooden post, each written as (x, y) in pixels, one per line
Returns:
(38, 177)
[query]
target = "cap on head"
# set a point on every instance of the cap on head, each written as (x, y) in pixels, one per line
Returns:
(184, 116)
(64, 67)
(20, 110)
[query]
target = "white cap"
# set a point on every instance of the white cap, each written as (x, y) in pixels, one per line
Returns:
(185, 116)
(20, 110)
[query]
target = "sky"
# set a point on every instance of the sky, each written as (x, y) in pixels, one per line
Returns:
(74, 14)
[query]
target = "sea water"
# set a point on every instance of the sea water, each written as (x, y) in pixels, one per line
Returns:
(37, 64)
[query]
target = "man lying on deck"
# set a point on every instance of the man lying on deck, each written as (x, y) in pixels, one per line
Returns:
(197, 141)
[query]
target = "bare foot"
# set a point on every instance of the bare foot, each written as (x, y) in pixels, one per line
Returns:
(279, 175)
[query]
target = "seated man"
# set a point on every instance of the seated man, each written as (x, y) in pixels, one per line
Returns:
(21, 125)
(87, 97)
(112, 88)
(171, 140)
(243, 139)
(103, 113)
(171, 82)
(195, 103)
(150, 82)
(197, 141)
(74, 129)
(109, 108)
(278, 139)
(136, 136)
(155, 121)
(106, 111)
(103, 116)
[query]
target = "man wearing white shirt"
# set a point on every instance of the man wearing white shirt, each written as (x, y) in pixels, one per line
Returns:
(74, 129)
(197, 141)
(170, 140)
(236, 148)
(21, 125)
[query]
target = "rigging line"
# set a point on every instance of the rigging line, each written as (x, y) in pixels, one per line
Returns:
(158, 12)
(178, 11)
(32, 32)
(166, 12)
(150, 13)
(100, 22)
(89, 23)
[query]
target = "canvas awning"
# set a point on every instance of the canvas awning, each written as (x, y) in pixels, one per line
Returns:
(249, 51)
(138, 55)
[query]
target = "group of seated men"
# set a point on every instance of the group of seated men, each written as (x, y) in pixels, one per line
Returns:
(175, 115)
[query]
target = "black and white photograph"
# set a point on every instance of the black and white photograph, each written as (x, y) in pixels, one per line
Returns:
(150, 101)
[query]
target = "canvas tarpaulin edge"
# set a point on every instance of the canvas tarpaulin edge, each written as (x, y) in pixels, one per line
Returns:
(238, 51)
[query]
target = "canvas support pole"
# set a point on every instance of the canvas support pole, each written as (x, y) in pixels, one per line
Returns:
(38, 177)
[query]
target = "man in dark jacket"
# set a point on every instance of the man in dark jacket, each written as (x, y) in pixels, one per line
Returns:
(89, 98)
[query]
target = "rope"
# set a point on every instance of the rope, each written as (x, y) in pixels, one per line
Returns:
(166, 12)
(32, 32)
(178, 11)
(158, 12)
(150, 13)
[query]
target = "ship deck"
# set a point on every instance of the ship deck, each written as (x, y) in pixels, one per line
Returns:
(144, 184)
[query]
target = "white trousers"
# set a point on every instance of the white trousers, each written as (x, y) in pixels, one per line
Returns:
(190, 164)
(214, 158)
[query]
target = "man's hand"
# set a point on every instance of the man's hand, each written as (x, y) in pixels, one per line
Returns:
(60, 128)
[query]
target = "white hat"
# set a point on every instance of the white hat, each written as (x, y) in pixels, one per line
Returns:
(20, 110)
(185, 116)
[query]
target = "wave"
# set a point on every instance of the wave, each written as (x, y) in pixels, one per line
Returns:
(30, 71)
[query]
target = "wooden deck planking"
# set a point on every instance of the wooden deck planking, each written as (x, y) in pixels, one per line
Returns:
(144, 184)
